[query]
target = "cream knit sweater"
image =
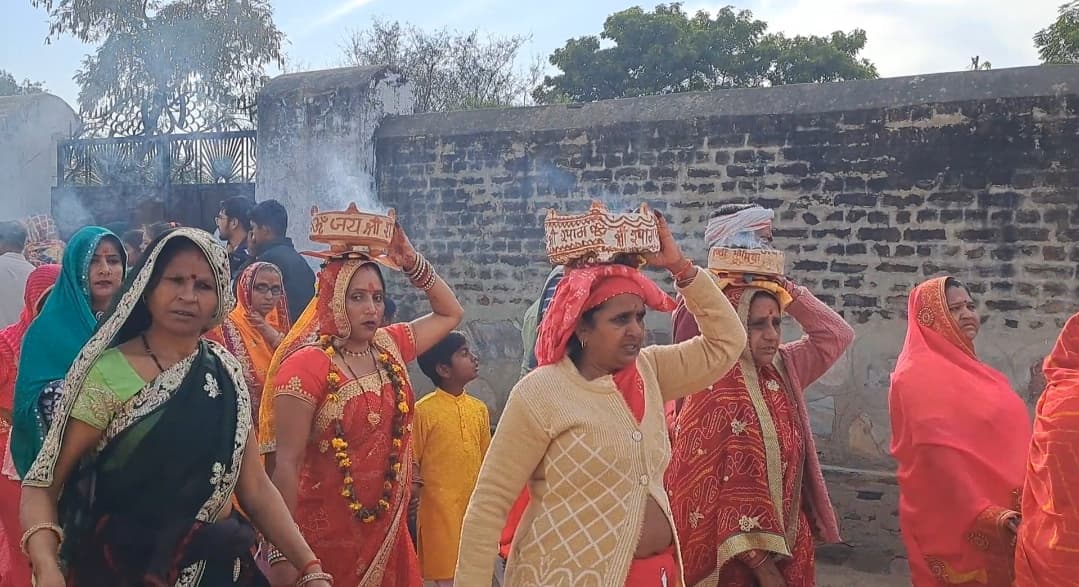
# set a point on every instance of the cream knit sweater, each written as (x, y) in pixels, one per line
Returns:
(587, 463)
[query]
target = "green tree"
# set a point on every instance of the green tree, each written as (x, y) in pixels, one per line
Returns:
(9, 86)
(667, 50)
(1059, 42)
(165, 66)
(447, 70)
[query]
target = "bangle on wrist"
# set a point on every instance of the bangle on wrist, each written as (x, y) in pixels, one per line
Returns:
(430, 283)
(273, 555)
(680, 269)
(685, 274)
(24, 544)
(312, 577)
(419, 264)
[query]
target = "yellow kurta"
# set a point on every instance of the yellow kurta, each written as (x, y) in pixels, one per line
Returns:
(451, 436)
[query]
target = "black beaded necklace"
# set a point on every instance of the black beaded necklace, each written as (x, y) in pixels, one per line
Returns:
(146, 346)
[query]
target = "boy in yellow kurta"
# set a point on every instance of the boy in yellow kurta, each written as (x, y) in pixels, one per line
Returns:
(452, 433)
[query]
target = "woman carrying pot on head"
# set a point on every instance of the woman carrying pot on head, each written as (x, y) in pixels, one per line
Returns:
(342, 418)
(585, 432)
(961, 436)
(90, 275)
(745, 484)
(134, 483)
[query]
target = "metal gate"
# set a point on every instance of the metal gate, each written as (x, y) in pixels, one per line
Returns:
(142, 180)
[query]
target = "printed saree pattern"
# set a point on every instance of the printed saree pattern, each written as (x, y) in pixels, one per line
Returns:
(737, 464)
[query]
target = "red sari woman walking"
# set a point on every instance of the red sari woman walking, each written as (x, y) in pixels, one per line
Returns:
(961, 436)
(342, 416)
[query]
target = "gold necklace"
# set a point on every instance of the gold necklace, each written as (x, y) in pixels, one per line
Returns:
(374, 417)
(359, 355)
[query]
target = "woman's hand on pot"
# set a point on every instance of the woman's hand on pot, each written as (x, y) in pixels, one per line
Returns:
(670, 254)
(400, 251)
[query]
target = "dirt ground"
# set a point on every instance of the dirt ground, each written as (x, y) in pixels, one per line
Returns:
(837, 576)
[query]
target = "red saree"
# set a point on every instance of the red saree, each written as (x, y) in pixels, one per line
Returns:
(355, 552)
(14, 569)
(1047, 552)
(740, 479)
(960, 435)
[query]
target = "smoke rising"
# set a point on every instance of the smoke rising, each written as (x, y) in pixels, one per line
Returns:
(346, 184)
(336, 184)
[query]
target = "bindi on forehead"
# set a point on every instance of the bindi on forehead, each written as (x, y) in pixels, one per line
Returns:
(366, 283)
(194, 276)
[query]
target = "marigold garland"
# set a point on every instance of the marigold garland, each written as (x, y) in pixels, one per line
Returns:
(340, 446)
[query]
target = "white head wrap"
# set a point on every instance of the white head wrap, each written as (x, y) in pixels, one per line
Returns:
(737, 229)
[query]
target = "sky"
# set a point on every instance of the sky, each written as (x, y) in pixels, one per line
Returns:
(906, 37)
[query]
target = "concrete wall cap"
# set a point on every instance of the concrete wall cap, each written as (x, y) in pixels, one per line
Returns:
(10, 104)
(324, 80)
(1041, 80)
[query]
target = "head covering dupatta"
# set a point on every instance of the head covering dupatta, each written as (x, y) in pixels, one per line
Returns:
(206, 390)
(582, 289)
(319, 319)
(38, 284)
(54, 339)
(956, 422)
(243, 339)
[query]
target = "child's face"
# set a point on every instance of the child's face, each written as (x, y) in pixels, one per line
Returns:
(463, 367)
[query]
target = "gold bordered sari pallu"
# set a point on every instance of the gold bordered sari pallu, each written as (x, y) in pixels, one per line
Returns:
(137, 513)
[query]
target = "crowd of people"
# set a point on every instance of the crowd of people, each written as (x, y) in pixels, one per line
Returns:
(181, 408)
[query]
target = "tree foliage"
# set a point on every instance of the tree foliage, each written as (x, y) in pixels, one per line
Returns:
(166, 66)
(1059, 42)
(667, 50)
(9, 86)
(447, 70)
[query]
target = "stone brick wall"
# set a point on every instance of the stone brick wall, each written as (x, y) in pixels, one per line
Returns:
(877, 186)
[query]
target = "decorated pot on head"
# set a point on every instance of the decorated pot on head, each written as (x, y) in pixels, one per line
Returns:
(599, 236)
(740, 244)
(352, 232)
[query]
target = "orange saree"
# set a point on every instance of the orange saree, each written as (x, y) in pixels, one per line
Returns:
(1047, 553)
(960, 435)
(245, 341)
